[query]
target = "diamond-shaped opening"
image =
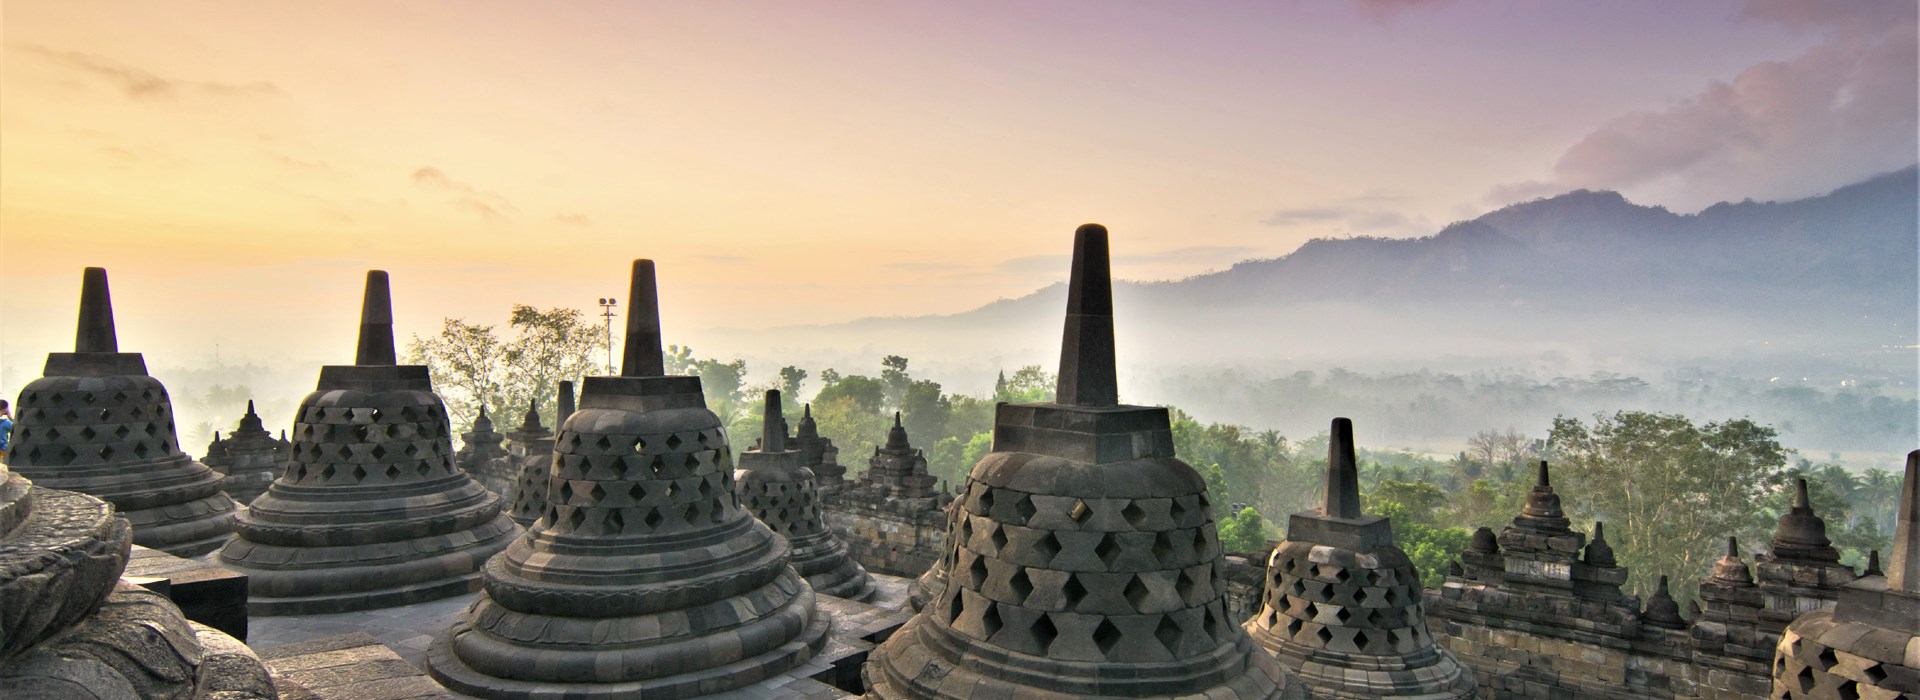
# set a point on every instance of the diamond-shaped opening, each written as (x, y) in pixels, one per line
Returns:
(140, 449)
(1826, 660)
(1211, 623)
(1046, 547)
(566, 491)
(1360, 639)
(615, 521)
(106, 414)
(360, 433)
(990, 620)
(1359, 595)
(121, 432)
(577, 518)
(1299, 588)
(1177, 511)
(637, 492)
(327, 472)
(1073, 592)
(1804, 679)
(999, 539)
(653, 518)
(1341, 575)
(1106, 636)
(1293, 627)
(639, 444)
(674, 490)
(1044, 632)
(1848, 690)
(1310, 610)
(1136, 592)
(1134, 514)
(956, 607)
(1022, 509)
(1080, 512)
(87, 398)
(1163, 548)
(984, 505)
(604, 443)
(1200, 543)
(596, 494)
(424, 468)
(1324, 634)
(1391, 597)
(359, 473)
(86, 434)
(106, 452)
(1343, 615)
(1020, 585)
(1183, 584)
(378, 451)
(1107, 550)
(1169, 633)
(393, 472)
(673, 442)
(1875, 674)
(977, 573)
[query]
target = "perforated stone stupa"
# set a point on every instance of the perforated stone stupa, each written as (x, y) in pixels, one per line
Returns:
(371, 512)
(481, 453)
(644, 577)
(775, 485)
(96, 423)
(1868, 644)
(1086, 562)
(1343, 604)
(530, 458)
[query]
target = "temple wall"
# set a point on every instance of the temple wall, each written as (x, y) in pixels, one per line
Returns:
(887, 541)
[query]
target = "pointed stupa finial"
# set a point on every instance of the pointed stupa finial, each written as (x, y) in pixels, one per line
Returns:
(1598, 552)
(1662, 610)
(566, 404)
(809, 430)
(1733, 546)
(1544, 479)
(773, 433)
(1903, 563)
(1343, 473)
(481, 423)
(250, 411)
(96, 332)
(1800, 500)
(897, 435)
(532, 422)
(1087, 376)
(376, 322)
(642, 356)
(1873, 564)
(1802, 534)
(1730, 570)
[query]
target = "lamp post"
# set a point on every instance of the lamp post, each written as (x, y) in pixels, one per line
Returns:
(606, 311)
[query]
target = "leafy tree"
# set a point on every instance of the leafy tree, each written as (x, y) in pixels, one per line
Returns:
(1416, 508)
(1243, 533)
(864, 393)
(1029, 384)
(829, 377)
(791, 380)
(679, 359)
(894, 381)
(1670, 490)
(472, 365)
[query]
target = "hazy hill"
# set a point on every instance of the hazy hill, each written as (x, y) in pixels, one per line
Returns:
(1584, 274)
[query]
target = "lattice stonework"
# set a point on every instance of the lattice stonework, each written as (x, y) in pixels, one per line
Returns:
(1098, 579)
(404, 439)
(1807, 668)
(640, 484)
(73, 426)
(1325, 598)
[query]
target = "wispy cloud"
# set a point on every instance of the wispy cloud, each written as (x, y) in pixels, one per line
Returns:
(922, 266)
(1356, 214)
(488, 205)
(141, 84)
(1840, 111)
(573, 219)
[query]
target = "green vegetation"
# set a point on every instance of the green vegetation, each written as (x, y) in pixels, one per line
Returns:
(472, 364)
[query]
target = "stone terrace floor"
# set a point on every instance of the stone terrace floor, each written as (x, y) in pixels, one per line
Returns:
(342, 655)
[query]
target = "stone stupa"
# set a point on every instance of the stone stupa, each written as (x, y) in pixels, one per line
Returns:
(96, 423)
(775, 485)
(644, 577)
(1868, 644)
(1343, 607)
(70, 627)
(1086, 561)
(530, 457)
(248, 459)
(372, 512)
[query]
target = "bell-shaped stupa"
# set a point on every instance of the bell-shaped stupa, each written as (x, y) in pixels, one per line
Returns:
(1343, 607)
(530, 458)
(1868, 644)
(644, 577)
(372, 512)
(96, 423)
(775, 485)
(1086, 562)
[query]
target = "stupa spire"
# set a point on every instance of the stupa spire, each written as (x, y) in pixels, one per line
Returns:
(1343, 473)
(96, 332)
(1087, 376)
(531, 423)
(376, 322)
(641, 356)
(773, 428)
(566, 405)
(1903, 563)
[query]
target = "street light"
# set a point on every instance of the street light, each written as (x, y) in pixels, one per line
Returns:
(606, 311)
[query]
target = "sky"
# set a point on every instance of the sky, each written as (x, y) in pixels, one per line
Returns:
(238, 166)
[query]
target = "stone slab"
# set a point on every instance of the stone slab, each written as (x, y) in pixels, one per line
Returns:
(206, 592)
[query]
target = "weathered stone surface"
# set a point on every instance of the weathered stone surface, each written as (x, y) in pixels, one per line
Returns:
(775, 485)
(1085, 559)
(372, 512)
(205, 592)
(97, 424)
(482, 455)
(892, 518)
(1343, 607)
(644, 577)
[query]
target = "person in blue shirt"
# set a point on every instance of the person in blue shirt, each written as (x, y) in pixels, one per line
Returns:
(6, 428)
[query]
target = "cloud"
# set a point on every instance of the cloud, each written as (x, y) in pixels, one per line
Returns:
(1308, 215)
(724, 259)
(487, 205)
(1839, 112)
(922, 266)
(297, 164)
(1200, 254)
(573, 219)
(140, 84)
(1351, 215)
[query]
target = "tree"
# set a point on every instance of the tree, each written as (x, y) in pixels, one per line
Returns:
(1669, 490)
(894, 381)
(678, 359)
(1029, 384)
(1244, 533)
(791, 380)
(1415, 507)
(472, 365)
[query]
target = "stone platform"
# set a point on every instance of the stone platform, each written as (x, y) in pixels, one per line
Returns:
(206, 592)
(378, 654)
